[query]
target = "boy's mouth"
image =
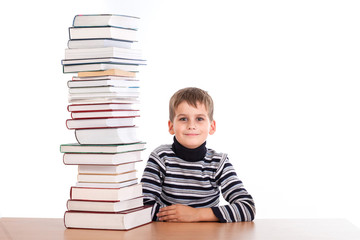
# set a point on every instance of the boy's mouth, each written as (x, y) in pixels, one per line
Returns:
(191, 134)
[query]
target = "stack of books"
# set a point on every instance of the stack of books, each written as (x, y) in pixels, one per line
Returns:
(103, 102)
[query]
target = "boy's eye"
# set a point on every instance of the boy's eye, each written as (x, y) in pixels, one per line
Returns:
(183, 119)
(200, 119)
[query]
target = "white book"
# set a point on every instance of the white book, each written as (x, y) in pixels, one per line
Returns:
(100, 123)
(104, 82)
(107, 178)
(89, 20)
(104, 206)
(111, 77)
(102, 169)
(101, 158)
(106, 185)
(103, 100)
(106, 194)
(100, 107)
(110, 95)
(103, 60)
(104, 89)
(123, 220)
(118, 148)
(105, 114)
(107, 52)
(107, 135)
(99, 67)
(102, 32)
(98, 43)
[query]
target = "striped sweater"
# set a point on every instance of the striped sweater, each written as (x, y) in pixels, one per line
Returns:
(169, 179)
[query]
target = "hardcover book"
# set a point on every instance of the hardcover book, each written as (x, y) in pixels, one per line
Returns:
(123, 220)
(103, 32)
(116, 20)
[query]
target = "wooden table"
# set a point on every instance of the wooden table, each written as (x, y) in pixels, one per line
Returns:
(264, 229)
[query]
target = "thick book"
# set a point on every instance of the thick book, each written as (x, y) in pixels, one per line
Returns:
(102, 169)
(105, 114)
(100, 123)
(101, 158)
(104, 83)
(104, 206)
(116, 20)
(107, 185)
(107, 178)
(103, 32)
(103, 100)
(106, 52)
(83, 148)
(104, 89)
(99, 67)
(91, 78)
(98, 43)
(109, 95)
(111, 72)
(106, 194)
(107, 135)
(102, 60)
(100, 107)
(123, 220)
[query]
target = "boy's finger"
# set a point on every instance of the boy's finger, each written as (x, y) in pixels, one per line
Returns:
(167, 208)
(166, 213)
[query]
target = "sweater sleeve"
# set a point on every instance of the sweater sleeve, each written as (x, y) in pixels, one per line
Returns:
(241, 205)
(152, 183)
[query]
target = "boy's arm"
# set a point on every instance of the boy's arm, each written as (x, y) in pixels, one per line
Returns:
(183, 213)
(241, 204)
(152, 184)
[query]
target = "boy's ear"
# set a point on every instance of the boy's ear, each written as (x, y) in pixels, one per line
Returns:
(212, 127)
(171, 128)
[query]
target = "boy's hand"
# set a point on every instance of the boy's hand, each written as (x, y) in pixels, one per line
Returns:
(183, 213)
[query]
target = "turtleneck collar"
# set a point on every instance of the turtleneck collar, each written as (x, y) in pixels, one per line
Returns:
(188, 154)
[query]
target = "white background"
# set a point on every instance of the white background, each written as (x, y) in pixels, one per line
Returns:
(284, 76)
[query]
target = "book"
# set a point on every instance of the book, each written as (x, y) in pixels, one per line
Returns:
(99, 67)
(106, 52)
(104, 89)
(111, 95)
(103, 100)
(107, 178)
(103, 32)
(77, 148)
(98, 43)
(101, 158)
(106, 194)
(107, 185)
(100, 123)
(111, 72)
(122, 220)
(104, 82)
(102, 60)
(102, 169)
(104, 206)
(100, 107)
(116, 20)
(107, 135)
(105, 114)
(109, 77)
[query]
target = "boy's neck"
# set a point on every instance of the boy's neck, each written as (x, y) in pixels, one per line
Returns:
(188, 154)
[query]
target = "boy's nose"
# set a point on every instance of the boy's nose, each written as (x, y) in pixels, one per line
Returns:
(191, 125)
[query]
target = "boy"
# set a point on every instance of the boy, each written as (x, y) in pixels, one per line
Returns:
(182, 180)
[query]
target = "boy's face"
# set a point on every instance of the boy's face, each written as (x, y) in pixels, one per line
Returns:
(191, 125)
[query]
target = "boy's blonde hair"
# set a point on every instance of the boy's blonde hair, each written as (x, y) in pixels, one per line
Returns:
(192, 96)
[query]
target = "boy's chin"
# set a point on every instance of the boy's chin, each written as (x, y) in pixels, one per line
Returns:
(192, 145)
